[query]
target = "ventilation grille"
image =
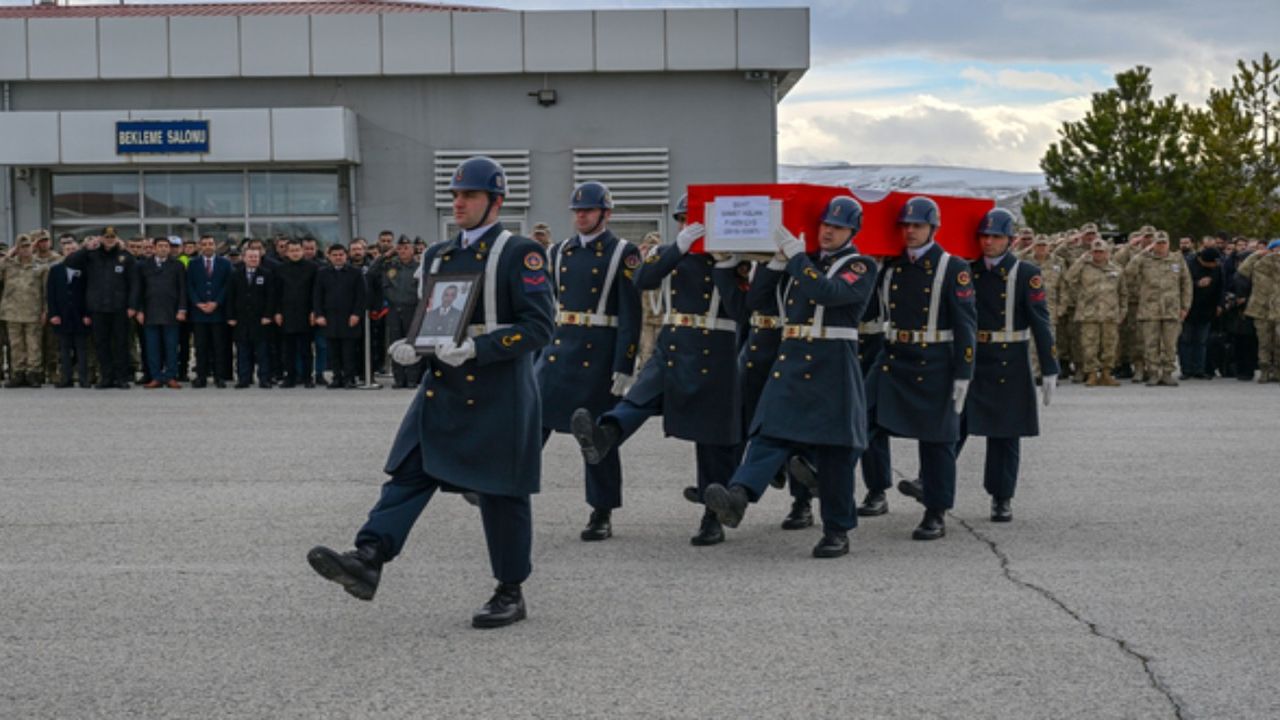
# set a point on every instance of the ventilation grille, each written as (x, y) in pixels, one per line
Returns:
(515, 162)
(636, 176)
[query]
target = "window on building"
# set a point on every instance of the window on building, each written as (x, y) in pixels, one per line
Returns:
(231, 205)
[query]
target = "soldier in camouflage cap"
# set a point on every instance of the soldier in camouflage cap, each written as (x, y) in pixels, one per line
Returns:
(1100, 292)
(1162, 283)
(1263, 269)
(22, 308)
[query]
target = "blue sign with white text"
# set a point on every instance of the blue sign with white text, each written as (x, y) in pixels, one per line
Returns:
(168, 137)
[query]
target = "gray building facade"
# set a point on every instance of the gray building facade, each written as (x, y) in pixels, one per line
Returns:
(343, 119)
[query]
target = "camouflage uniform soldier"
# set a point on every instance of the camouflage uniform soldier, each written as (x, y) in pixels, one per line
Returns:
(1051, 271)
(1130, 349)
(44, 254)
(1263, 268)
(1067, 331)
(1100, 296)
(1162, 283)
(22, 308)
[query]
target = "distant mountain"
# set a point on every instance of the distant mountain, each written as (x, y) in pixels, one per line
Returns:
(1008, 189)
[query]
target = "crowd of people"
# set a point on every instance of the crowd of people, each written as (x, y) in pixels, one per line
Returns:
(281, 313)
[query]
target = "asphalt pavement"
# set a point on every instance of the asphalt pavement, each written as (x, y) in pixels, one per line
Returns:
(154, 546)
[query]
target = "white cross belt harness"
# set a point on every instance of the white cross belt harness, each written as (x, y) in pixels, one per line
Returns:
(710, 321)
(816, 330)
(597, 318)
(931, 333)
(491, 323)
(1008, 335)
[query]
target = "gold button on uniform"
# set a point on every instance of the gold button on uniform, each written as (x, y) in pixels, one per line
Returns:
(777, 374)
(471, 378)
(470, 401)
(431, 393)
(551, 358)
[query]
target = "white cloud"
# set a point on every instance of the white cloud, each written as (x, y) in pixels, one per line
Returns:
(1036, 80)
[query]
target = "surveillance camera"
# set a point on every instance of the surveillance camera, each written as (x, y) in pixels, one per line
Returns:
(757, 74)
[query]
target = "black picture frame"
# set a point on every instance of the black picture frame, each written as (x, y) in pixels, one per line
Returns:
(429, 329)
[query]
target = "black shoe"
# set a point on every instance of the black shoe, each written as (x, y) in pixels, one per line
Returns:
(289, 384)
(335, 386)
(322, 382)
(504, 608)
(709, 532)
(122, 385)
(199, 383)
(912, 489)
(874, 504)
(1001, 510)
(779, 479)
(472, 499)
(399, 385)
(595, 439)
(800, 517)
(64, 384)
(804, 473)
(931, 527)
(308, 384)
(691, 494)
(598, 527)
(104, 386)
(833, 544)
(728, 503)
(85, 385)
(220, 384)
(242, 385)
(357, 571)
(265, 385)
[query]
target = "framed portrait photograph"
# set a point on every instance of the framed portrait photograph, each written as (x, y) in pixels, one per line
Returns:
(445, 310)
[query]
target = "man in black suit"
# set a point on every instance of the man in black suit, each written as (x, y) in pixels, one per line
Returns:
(160, 304)
(249, 313)
(339, 305)
(294, 287)
(65, 297)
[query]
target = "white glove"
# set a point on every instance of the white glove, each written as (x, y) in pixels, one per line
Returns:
(689, 235)
(1048, 385)
(788, 244)
(621, 384)
(778, 262)
(403, 353)
(454, 355)
(959, 390)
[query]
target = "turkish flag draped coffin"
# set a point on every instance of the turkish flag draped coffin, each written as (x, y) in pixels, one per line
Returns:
(803, 206)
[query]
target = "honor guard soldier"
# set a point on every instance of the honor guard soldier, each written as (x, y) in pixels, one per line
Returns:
(763, 337)
(919, 389)
(591, 360)
(1001, 404)
(692, 377)
(813, 401)
(474, 424)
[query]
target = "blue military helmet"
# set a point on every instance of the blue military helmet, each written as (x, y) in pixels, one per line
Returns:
(480, 173)
(998, 221)
(590, 196)
(844, 212)
(920, 209)
(682, 208)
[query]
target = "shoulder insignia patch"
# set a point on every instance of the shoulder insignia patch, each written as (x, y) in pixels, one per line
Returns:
(535, 282)
(653, 258)
(962, 278)
(632, 261)
(968, 354)
(859, 268)
(1036, 282)
(534, 260)
(849, 276)
(509, 340)
(391, 273)
(811, 273)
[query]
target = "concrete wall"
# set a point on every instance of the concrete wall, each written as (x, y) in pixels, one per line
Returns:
(719, 127)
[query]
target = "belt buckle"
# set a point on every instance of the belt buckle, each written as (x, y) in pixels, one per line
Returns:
(570, 318)
(904, 336)
(791, 332)
(684, 321)
(984, 336)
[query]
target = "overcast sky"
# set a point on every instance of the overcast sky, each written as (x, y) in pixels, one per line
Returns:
(982, 83)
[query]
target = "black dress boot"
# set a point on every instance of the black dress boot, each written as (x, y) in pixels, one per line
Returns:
(800, 517)
(357, 571)
(833, 544)
(710, 532)
(595, 439)
(804, 472)
(1001, 511)
(931, 527)
(912, 489)
(690, 493)
(504, 608)
(728, 503)
(874, 504)
(598, 527)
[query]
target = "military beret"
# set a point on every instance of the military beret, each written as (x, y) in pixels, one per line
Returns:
(404, 240)
(1273, 245)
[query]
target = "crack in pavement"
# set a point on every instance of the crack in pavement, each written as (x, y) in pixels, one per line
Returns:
(1005, 567)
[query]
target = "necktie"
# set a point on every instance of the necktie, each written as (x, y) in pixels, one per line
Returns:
(208, 267)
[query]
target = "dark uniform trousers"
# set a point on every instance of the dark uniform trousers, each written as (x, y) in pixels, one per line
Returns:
(212, 345)
(1000, 467)
(111, 339)
(297, 356)
(767, 455)
(73, 352)
(715, 463)
(508, 520)
(937, 468)
(252, 352)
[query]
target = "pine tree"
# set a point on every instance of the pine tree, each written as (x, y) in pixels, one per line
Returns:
(1126, 163)
(1228, 196)
(1256, 87)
